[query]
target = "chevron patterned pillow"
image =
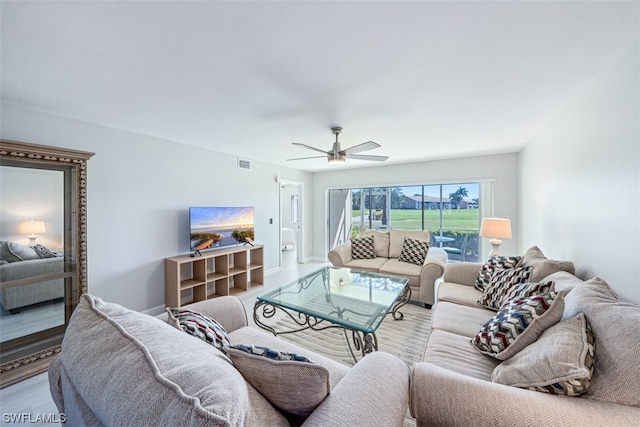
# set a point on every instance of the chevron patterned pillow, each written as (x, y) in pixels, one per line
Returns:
(518, 323)
(414, 251)
(528, 290)
(495, 262)
(362, 248)
(561, 361)
(502, 280)
(200, 326)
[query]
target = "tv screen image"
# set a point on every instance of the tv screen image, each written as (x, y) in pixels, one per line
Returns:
(212, 227)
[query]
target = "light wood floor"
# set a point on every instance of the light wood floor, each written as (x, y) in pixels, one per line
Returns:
(32, 395)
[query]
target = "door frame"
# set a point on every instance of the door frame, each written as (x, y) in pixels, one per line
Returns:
(301, 218)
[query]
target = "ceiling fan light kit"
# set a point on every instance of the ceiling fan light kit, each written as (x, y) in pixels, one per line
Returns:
(337, 156)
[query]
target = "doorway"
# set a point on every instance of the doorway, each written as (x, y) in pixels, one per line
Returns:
(291, 223)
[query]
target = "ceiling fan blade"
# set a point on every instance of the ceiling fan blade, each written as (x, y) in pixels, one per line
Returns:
(367, 157)
(369, 145)
(310, 147)
(313, 157)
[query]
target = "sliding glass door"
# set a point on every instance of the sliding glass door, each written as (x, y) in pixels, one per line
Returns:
(450, 212)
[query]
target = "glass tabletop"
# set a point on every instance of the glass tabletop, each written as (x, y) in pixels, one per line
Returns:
(355, 299)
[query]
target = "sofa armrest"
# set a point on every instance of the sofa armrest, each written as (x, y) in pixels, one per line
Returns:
(340, 255)
(55, 384)
(375, 392)
(445, 398)
(227, 310)
(463, 273)
(432, 269)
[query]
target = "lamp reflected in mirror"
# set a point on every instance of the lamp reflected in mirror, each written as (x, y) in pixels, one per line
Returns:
(32, 228)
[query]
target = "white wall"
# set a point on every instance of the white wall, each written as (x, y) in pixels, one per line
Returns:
(580, 181)
(139, 192)
(501, 167)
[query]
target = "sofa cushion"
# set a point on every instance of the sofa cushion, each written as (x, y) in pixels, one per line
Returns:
(373, 264)
(559, 362)
(414, 251)
(380, 241)
(495, 262)
(289, 381)
(362, 248)
(542, 266)
(200, 326)
(615, 325)
(459, 319)
(108, 349)
(396, 240)
(453, 352)
(460, 294)
(395, 267)
(517, 324)
(502, 280)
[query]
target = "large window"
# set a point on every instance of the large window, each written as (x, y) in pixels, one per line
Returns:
(450, 212)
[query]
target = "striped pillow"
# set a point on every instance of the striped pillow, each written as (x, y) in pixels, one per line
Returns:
(501, 282)
(362, 248)
(414, 251)
(200, 326)
(527, 290)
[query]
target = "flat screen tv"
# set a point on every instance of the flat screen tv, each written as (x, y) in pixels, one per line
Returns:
(212, 227)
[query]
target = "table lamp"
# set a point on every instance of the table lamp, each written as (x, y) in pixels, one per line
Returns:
(495, 229)
(31, 228)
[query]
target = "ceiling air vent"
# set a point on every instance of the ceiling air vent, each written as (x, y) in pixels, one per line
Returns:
(244, 164)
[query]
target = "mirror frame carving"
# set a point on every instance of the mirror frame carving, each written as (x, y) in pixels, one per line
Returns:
(29, 154)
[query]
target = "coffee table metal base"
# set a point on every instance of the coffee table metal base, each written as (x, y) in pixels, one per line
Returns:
(360, 343)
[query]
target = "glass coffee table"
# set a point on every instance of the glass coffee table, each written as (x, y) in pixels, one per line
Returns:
(355, 301)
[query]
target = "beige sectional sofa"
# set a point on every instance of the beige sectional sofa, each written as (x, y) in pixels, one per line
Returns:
(118, 367)
(453, 385)
(388, 247)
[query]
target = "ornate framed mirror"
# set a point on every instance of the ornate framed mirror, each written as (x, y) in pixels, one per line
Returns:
(43, 252)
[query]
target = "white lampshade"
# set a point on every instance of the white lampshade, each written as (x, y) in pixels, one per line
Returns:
(496, 228)
(32, 227)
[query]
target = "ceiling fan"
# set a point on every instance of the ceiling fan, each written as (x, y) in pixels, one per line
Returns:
(338, 155)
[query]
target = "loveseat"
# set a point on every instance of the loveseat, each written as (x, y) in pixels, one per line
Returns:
(19, 262)
(388, 249)
(457, 385)
(119, 367)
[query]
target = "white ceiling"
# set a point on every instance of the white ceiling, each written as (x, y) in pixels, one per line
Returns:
(426, 80)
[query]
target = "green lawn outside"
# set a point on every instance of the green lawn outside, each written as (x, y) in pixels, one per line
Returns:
(454, 219)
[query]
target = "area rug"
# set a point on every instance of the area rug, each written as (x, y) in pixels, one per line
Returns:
(406, 338)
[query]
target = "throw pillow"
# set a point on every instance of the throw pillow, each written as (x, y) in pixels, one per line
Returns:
(496, 261)
(43, 252)
(15, 252)
(615, 326)
(542, 266)
(528, 289)
(380, 240)
(559, 362)
(518, 323)
(200, 326)
(290, 382)
(362, 248)
(414, 251)
(502, 280)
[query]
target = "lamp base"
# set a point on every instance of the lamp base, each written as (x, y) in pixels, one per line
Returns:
(32, 240)
(496, 247)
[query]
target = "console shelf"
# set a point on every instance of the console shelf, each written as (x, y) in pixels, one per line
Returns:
(228, 271)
